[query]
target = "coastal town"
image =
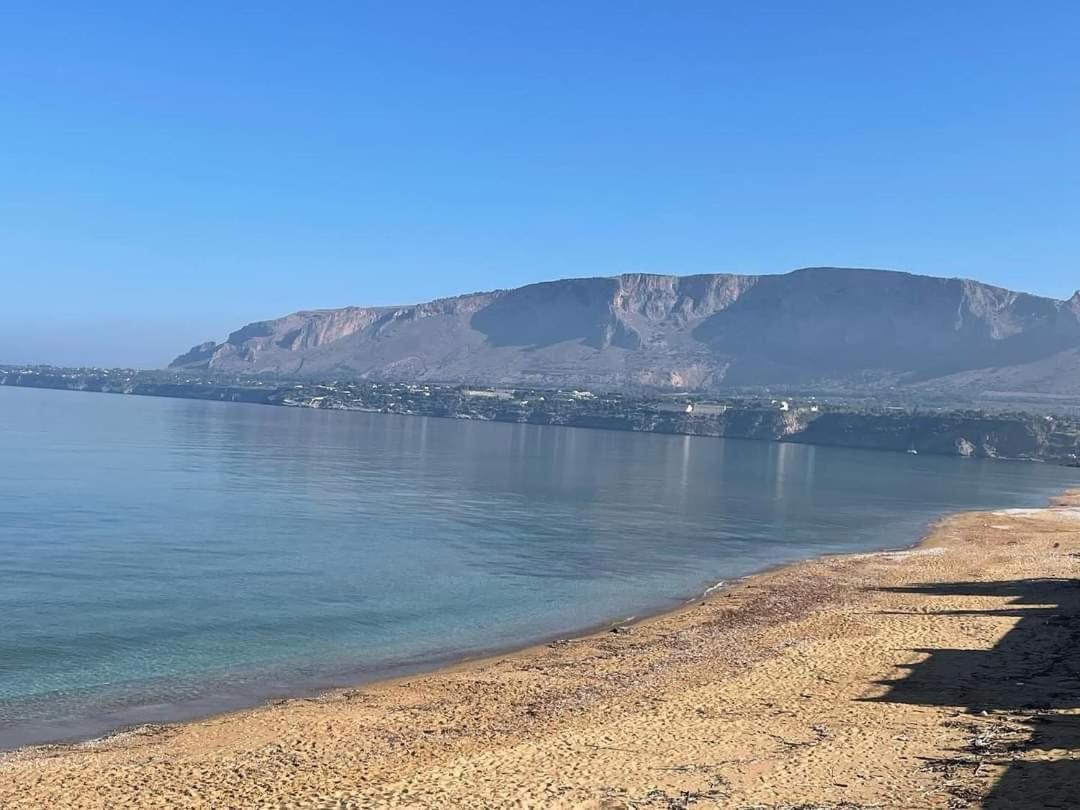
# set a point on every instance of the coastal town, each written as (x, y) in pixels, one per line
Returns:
(875, 423)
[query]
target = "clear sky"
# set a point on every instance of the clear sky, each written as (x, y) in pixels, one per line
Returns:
(170, 171)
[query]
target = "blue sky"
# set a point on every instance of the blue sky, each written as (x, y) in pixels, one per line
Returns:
(171, 171)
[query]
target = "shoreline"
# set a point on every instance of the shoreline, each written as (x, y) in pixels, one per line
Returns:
(701, 430)
(449, 663)
(579, 707)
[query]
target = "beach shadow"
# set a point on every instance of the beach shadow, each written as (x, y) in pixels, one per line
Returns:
(1055, 732)
(1036, 784)
(1031, 675)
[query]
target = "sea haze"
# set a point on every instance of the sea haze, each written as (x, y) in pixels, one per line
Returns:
(166, 558)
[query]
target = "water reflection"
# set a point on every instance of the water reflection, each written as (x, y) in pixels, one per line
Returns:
(176, 552)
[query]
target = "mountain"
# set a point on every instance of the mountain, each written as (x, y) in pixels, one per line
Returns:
(815, 326)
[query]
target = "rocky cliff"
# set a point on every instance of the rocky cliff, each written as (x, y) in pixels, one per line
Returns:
(816, 326)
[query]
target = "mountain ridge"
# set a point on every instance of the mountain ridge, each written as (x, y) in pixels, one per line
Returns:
(815, 325)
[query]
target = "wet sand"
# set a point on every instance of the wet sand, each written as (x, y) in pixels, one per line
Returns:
(945, 676)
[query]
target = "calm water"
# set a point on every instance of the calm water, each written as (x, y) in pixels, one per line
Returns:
(167, 558)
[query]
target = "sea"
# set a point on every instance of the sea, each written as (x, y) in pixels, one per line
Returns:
(166, 559)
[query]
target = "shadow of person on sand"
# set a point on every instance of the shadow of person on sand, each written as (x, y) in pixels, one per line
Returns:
(1025, 683)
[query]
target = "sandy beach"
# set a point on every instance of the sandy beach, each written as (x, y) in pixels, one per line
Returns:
(940, 677)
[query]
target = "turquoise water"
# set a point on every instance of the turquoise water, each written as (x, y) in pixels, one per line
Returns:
(162, 559)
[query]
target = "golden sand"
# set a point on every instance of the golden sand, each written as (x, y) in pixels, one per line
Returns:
(941, 677)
